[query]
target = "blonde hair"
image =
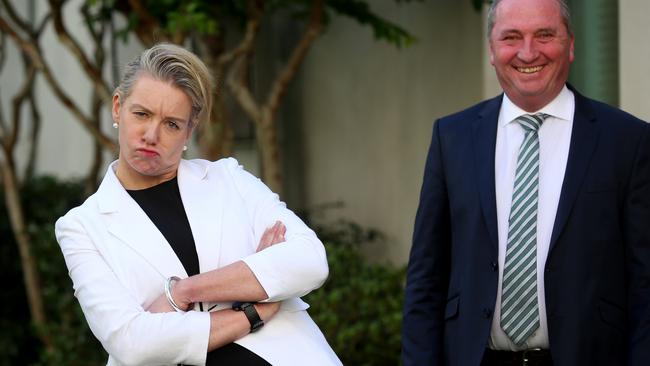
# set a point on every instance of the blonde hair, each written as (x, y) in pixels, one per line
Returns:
(178, 66)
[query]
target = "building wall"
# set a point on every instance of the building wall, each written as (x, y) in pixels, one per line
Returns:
(367, 110)
(635, 57)
(357, 122)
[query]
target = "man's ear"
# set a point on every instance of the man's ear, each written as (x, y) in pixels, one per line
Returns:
(116, 108)
(491, 53)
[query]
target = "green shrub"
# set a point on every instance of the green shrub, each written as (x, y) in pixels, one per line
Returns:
(358, 308)
(44, 200)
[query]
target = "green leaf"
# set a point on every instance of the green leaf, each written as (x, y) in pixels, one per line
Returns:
(383, 29)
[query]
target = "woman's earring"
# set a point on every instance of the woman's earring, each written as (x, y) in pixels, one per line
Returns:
(185, 148)
(115, 125)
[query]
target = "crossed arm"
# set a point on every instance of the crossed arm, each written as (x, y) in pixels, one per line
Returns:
(234, 281)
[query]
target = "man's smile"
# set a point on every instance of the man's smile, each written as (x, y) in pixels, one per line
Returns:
(529, 70)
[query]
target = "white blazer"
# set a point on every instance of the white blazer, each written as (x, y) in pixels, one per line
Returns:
(118, 261)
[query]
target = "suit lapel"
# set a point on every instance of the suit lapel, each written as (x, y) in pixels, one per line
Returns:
(584, 139)
(203, 202)
(484, 135)
(131, 225)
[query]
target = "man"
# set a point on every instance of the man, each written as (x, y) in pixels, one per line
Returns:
(532, 241)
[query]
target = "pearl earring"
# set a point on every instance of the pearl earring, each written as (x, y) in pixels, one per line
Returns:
(115, 125)
(184, 148)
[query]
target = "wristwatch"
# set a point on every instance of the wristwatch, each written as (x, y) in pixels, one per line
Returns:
(251, 314)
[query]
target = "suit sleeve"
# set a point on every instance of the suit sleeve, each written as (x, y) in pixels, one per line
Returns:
(289, 269)
(130, 334)
(428, 267)
(637, 241)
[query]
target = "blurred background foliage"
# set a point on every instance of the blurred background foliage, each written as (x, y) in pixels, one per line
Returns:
(358, 309)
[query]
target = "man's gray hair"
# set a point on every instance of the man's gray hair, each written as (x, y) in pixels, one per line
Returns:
(177, 66)
(564, 10)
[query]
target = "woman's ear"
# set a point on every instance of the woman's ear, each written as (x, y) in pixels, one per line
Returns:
(116, 108)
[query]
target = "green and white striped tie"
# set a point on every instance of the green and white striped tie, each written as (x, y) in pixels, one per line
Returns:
(519, 309)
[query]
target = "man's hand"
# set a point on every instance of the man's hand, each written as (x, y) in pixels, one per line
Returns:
(272, 236)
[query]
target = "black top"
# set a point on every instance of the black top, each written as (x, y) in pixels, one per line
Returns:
(164, 206)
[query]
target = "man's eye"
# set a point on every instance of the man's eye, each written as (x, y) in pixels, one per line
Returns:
(545, 36)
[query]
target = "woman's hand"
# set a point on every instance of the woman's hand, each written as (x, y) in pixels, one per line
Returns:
(273, 235)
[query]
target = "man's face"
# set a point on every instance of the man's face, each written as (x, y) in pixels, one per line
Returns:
(531, 50)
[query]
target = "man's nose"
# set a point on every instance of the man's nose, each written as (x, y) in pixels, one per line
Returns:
(528, 51)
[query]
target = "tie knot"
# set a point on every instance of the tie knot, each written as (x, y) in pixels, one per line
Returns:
(532, 122)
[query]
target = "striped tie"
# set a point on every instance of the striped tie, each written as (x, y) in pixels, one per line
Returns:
(519, 312)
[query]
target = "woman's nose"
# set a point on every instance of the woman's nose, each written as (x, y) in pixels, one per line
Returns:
(151, 133)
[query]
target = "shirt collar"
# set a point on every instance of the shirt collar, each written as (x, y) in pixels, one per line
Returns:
(561, 108)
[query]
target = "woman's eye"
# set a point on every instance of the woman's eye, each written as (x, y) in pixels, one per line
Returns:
(173, 125)
(140, 114)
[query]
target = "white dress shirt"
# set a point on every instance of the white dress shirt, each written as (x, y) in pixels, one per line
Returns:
(554, 141)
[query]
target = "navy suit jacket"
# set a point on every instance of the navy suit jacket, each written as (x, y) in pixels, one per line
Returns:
(597, 273)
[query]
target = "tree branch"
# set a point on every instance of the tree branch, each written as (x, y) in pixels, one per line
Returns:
(241, 92)
(3, 124)
(235, 80)
(31, 49)
(17, 104)
(73, 46)
(246, 44)
(13, 15)
(281, 83)
(33, 145)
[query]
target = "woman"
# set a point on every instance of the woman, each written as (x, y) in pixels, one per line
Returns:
(165, 251)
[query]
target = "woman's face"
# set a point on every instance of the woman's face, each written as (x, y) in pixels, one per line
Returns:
(154, 125)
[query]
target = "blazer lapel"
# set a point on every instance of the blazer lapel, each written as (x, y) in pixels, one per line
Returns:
(484, 135)
(131, 225)
(584, 139)
(203, 202)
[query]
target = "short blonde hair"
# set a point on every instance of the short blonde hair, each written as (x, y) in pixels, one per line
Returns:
(178, 66)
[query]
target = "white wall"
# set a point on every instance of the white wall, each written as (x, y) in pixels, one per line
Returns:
(634, 16)
(368, 109)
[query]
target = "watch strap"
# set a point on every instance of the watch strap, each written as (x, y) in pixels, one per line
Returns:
(251, 314)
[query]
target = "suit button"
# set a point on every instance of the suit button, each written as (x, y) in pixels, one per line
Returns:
(494, 266)
(487, 313)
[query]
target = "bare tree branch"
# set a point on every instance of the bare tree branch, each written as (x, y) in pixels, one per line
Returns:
(246, 44)
(235, 79)
(35, 131)
(17, 104)
(13, 15)
(96, 102)
(240, 90)
(281, 83)
(32, 50)
(3, 124)
(73, 46)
